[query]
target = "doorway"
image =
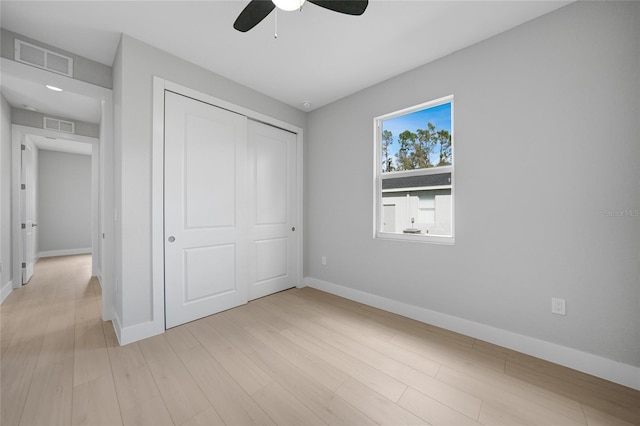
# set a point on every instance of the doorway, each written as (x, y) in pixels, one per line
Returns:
(26, 81)
(27, 145)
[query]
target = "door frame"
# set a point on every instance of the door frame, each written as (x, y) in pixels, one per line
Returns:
(103, 260)
(19, 135)
(29, 176)
(157, 190)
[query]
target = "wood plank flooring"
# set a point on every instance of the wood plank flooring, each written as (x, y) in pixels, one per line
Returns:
(300, 357)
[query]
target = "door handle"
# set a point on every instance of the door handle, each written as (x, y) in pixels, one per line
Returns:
(33, 225)
(293, 228)
(171, 239)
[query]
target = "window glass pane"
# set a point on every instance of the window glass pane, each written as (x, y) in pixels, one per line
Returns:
(427, 201)
(418, 140)
(415, 172)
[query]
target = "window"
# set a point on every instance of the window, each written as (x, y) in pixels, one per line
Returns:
(414, 173)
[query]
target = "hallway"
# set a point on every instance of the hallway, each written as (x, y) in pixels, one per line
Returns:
(53, 342)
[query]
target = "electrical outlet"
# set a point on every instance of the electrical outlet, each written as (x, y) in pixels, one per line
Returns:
(324, 260)
(558, 306)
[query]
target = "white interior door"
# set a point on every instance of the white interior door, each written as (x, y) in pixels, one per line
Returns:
(389, 218)
(273, 206)
(206, 236)
(28, 213)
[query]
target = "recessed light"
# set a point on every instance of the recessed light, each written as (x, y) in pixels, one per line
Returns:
(306, 105)
(29, 107)
(54, 88)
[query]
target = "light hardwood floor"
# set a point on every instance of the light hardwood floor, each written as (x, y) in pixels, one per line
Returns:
(300, 357)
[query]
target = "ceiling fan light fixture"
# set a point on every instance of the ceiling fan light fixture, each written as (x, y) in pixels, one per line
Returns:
(288, 5)
(257, 10)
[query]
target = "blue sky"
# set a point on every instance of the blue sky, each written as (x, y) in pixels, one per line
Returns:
(439, 116)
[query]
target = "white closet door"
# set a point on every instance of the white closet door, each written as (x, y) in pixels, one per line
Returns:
(273, 206)
(206, 239)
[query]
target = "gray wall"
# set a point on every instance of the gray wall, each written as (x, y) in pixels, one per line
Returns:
(5, 191)
(64, 201)
(135, 65)
(83, 69)
(547, 155)
(36, 119)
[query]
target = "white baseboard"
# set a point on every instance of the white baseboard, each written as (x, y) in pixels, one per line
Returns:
(134, 333)
(116, 327)
(66, 252)
(107, 310)
(624, 374)
(6, 291)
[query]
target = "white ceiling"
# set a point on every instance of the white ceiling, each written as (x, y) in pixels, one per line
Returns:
(22, 93)
(319, 56)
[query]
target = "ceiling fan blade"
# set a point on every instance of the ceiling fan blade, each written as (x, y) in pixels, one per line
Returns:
(251, 16)
(350, 7)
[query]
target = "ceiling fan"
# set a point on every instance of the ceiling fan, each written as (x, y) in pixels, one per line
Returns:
(257, 10)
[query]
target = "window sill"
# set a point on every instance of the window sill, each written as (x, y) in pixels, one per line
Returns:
(416, 238)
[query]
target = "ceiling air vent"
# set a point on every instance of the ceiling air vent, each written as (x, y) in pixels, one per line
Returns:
(43, 58)
(59, 125)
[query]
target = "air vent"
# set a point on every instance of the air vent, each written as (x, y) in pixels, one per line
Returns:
(59, 125)
(43, 58)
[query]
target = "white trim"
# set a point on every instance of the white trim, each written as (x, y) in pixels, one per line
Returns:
(157, 205)
(106, 228)
(379, 176)
(95, 207)
(186, 91)
(425, 105)
(18, 137)
(117, 329)
(623, 374)
(135, 332)
(157, 324)
(416, 238)
(300, 197)
(438, 170)
(6, 291)
(65, 252)
(54, 133)
(417, 188)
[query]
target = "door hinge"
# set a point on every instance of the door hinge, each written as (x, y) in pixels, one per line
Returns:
(23, 186)
(24, 226)
(24, 265)
(23, 147)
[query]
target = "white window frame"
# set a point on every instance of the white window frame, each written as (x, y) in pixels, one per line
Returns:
(377, 170)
